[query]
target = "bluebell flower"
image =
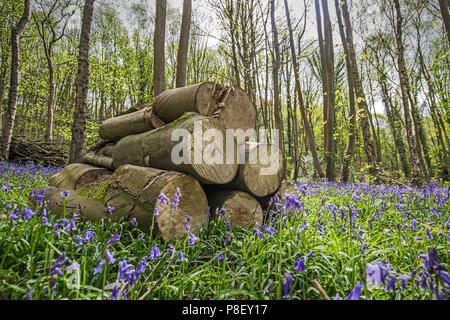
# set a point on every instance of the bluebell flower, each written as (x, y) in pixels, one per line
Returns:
(13, 216)
(28, 213)
(110, 209)
(355, 293)
(287, 284)
(40, 196)
(180, 256)
(299, 265)
(65, 193)
(429, 236)
(89, 236)
(337, 297)
(115, 293)
(142, 266)
(109, 257)
(192, 239)
(99, 267)
(163, 198)
(154, 253)
(221, 256)
(124, 270)
(390, 284)
(176, 199)
(156, 212)
(115, 238)
(133, 222)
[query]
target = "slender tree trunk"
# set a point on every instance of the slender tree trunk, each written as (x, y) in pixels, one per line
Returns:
(346, 163)
(51, 96)
(78, 142)
(307, 124)
(361, 101)
(183, 45)
(444, 7)
(275, 79)
(159, 70)
(14, 81)
(404, 93)
(330, 92)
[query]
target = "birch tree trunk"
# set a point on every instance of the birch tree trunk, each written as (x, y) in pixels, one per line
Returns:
(183, 45)
(159, 72)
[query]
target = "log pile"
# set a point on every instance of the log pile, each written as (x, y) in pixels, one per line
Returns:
(131, 172)
(44, 153)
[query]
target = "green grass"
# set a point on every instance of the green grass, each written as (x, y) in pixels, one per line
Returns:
(254, 267)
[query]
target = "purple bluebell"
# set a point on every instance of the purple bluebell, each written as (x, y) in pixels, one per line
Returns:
(180, 256)
(109, 257)
(142, 266)
(154, 253)
(110, 210)
(73, 266)
(163, 199)
(287, 284)
(115, 294)
(27, 213)
(355, 294)
(390, 284)
(133, 222)
(124, 270)
(192, 239)
(176, 199)
(115, 238)
(99, 267)
(40, 196)
(299, 265)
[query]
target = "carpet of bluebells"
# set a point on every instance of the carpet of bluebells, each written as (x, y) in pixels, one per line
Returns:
(358, 241)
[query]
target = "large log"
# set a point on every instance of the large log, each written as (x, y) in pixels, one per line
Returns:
(98, 160)
(132, 192)
(131, 123)
(156, 149)
(57, 203)
(78, 175)
(260, 170)
(231, 105)
(241, 209)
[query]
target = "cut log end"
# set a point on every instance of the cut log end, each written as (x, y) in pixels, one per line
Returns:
(263, 171)
(241, 209)
(192, 201)
(214, 167)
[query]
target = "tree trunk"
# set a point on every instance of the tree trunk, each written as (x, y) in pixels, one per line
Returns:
(231, 105)
(328, 69)
(275, 79)
(51, 96)
(159, 69)
(308, 129)
(183, 46)
(404, 93)
(444, 7)
(360, 96)
(78, 142)
(14, 81)
(347, 161)
(157, 149)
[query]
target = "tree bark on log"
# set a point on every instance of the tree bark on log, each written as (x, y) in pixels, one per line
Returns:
(91, 209)
(131, 123)
(78, 175)
(260, 170)
(231, 105)
(98, 160)
(156, 149)
(241, 209)
(133, 192)
(105, 150)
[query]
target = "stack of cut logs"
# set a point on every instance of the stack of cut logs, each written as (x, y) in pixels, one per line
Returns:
(129, 170)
